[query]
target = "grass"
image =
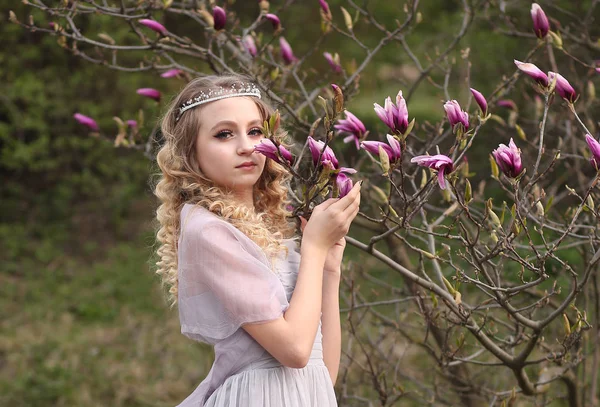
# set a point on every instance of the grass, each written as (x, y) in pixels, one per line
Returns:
(80, 332)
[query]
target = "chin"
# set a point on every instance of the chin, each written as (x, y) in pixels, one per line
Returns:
(243, 184)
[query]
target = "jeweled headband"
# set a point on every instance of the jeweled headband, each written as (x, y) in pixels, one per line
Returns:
(218, 93)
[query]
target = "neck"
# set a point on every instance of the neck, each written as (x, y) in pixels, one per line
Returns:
(246, 199)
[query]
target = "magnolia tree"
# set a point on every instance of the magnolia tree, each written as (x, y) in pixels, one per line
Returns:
(472, 289)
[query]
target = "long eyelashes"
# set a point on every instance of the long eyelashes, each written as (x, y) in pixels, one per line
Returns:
(227, 133)
(256, 131)
(222, 134)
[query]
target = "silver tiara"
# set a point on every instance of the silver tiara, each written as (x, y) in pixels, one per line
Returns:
(241, 89)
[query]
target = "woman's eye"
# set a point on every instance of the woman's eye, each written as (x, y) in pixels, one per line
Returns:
(223, 134)
(256, 132)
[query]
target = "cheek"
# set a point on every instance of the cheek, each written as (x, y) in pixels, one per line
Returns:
(262, 160)
(209, 161)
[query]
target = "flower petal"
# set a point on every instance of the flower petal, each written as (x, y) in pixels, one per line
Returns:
(149, 93)
(441, 179)
(171, 73)
(154, 25)
(86, 121)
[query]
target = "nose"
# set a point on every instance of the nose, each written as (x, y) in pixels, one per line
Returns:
(245, 145)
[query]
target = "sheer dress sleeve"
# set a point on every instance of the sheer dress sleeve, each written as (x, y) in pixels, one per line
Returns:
(224, 282)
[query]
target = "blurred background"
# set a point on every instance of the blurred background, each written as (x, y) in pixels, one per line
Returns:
(84, 320)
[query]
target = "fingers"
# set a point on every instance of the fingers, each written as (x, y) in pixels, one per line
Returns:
(336, 215)
(354, 202)
(351, 215)
(349, 199)
(343, 202)
(326, 204)
(351, 210)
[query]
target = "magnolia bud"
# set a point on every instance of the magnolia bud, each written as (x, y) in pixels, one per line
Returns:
(495, 169)
(539, 208)
(591, 90)
(566, 324)
(449, 286)
(590, 202)
(219, 18)
(347, 19)
(384, 159)
(468, 192)
(264, 6)
(540, 21)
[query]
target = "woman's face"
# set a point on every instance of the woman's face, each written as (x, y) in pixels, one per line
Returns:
(229, 130)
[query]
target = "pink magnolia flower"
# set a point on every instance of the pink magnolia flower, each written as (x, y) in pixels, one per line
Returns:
(149, 93)
(540, 21)
(328, 158)
(274, 21)
(219, 18)
(595, 149)
(395, 116)
(335, 65)
(353, 126)
(480, 101)
(250, 45)
(442, 163)
(267, 148)
(324, 6)
(343, 182)
(508, 159)
(286, 52)
(171, 73)
(509, 104)
(392, 149)
(456, 114)
(154, 25)
(86, 121)
(563, 87)
(533, 71)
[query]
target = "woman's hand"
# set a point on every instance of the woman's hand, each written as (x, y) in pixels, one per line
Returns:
(330, 220)
(329, 225)
(333, 261)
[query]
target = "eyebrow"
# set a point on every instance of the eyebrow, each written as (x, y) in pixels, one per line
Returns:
(232, 123)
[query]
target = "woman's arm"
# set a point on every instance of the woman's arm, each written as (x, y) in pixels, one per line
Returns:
(290, 338)
(330, 323)
(330, 319)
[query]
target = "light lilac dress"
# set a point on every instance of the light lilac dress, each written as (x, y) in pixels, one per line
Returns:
(224, 282)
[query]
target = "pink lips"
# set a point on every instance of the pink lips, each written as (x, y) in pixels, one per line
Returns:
(246, 165)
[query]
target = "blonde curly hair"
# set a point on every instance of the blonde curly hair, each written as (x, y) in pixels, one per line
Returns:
(181, 181)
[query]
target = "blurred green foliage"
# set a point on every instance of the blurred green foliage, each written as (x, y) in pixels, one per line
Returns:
(54, 174)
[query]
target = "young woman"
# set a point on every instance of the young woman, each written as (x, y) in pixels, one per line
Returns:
(230, 258)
